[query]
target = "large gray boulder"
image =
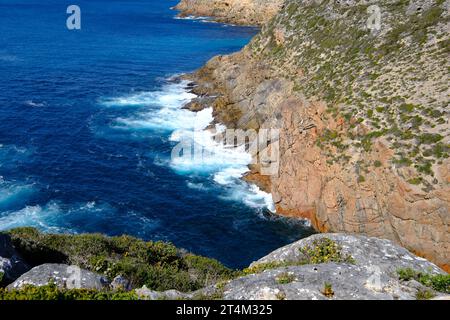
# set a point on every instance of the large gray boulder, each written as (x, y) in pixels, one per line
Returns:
(63, 276)
(348, 282)
(373, 275)
(11, 263)
(369, 252)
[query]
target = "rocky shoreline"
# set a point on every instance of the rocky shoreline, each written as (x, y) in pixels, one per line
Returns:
(360, 187)
(36, 266)
(239, 12)
(360, 152)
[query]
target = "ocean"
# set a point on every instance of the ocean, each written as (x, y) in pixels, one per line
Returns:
(89, 118)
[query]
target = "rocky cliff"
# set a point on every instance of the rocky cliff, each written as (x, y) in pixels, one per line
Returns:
(360, 94)
(243, 12)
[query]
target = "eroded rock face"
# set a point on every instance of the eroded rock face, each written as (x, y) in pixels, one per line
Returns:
(244, 12)
(356, 143)
(63, 276)
(11, 263)
(373, 275)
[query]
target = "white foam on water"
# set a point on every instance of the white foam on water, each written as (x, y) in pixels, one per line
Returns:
(164, 111)
(12, 153)
(171, 96)
(11, 194)
(58, 217)
(193, 18)
(31, 103)
(33, 216)
(207, 154)
(197, 186)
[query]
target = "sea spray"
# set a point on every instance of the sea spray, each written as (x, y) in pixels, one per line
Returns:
(162, 110)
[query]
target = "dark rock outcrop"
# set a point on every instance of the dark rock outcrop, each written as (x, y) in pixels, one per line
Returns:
(11, 263)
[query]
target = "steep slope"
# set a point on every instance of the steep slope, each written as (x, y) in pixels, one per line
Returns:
(244, 12)
(363, 114)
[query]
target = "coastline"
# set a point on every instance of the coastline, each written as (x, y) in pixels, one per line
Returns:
(234, 12)
(350, 188)
(209, 137)
(96, 267)
(324, 266)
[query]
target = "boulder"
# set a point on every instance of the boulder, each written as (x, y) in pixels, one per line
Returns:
(11, 263)
(368, 252)
(63, 276)
(373, 275)
(120, 283)
(146, 294)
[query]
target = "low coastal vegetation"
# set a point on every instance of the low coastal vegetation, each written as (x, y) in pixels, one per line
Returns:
(322, 250)
(159, 266)
(52, 292)
(328, 290)
(368, 78)
(325, 250)
(158, 270)
(438, 282)
(285, 278)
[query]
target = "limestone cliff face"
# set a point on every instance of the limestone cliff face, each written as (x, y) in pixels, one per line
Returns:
(243, 12)
(363, 112)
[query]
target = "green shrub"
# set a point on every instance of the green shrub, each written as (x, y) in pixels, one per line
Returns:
(377, 164)
(415, 181)
(439, 282)
(325, 250)
(51, 292)
(158, 265)
(425, 294)
(285, 278)
(258, 268)
(425, 167)
(407, 107)
(328, 290)
(429, 138)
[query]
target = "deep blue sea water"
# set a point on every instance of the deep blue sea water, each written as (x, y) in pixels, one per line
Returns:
(87, 123)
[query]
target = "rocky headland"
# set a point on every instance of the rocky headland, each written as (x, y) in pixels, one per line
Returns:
(240, 12)
(38, 266)
(362, 109)
(364, 151)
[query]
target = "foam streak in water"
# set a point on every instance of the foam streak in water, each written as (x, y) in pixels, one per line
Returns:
(164, 111)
